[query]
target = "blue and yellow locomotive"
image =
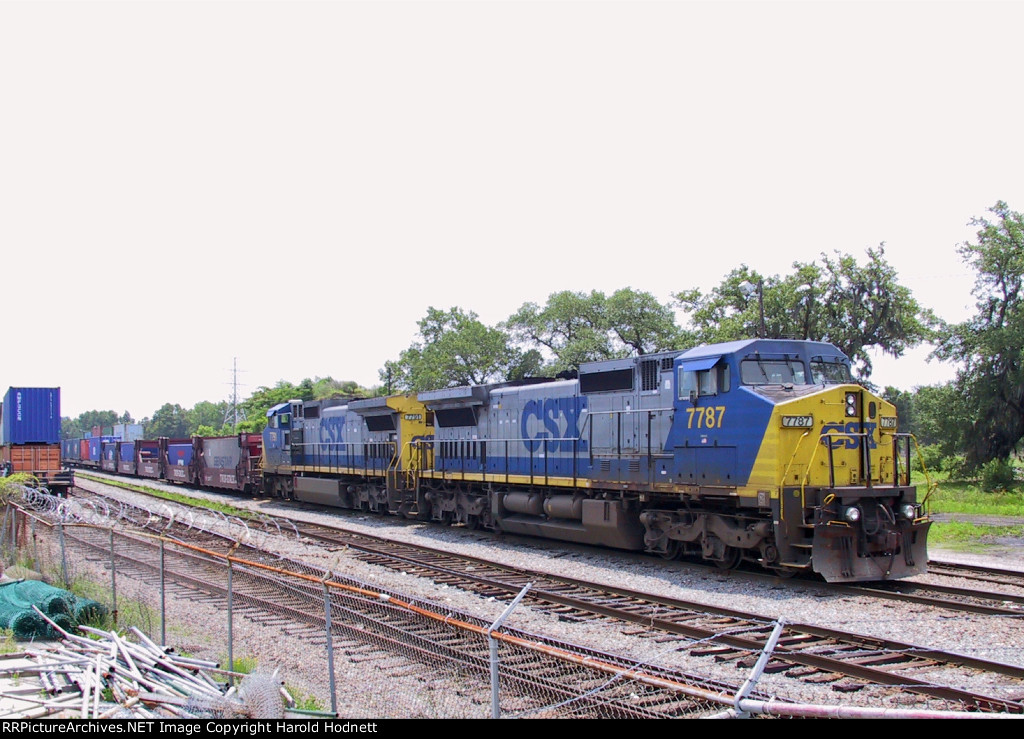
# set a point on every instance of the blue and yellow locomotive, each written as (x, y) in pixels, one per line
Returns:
(762, 451)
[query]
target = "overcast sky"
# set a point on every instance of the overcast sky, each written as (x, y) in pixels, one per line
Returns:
(291, 185)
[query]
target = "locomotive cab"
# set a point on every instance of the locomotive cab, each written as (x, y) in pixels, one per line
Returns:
(792, 464)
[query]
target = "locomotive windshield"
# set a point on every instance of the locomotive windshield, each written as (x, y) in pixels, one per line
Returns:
(829, 373)
(772, 372)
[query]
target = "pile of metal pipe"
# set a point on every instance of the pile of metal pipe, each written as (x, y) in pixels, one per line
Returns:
(107, 675)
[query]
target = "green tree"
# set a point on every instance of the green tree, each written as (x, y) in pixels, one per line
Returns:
(641, 324)
(255, 407)
(571, 328)
(856, 307)
(169, 420)
(328, 387)
(576, 327)
(990, 345)
(454, 348)
(84, 424)
(940, 417)
(206, 414)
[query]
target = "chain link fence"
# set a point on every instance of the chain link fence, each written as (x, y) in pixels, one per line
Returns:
(345, 646)
(349, 648)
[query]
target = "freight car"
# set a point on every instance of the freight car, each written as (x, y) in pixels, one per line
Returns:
(30, 436)
(762, 451)
(223, 462)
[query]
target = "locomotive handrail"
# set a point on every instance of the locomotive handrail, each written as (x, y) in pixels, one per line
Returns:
(831, 464)
(782, 482)
(932, 486)
(866, 458)
(346, 447)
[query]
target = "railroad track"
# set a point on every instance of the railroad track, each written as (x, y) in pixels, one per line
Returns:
(978, 573)
(810, 653)
(951, 597)
(375, 630)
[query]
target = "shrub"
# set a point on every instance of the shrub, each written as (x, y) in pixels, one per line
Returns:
(932, 457)
(997, 474)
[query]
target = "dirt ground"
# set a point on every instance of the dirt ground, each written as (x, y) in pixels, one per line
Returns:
(1008, 549)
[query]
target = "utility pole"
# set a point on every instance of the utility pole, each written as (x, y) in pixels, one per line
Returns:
(234, 384)
(232, 412)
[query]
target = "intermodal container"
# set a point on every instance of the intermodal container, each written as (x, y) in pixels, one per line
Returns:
(126, 457)
(108, 456)
(147, 458)
(96, 445)
(178, 462)
(128, 431)
(31, 415)
(71, 450)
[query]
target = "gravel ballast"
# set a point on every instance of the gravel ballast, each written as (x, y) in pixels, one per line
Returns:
(995, 638)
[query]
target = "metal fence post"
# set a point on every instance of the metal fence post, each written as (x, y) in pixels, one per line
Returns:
(755, 673)
(495, 707)
(113, 579)
(63, 557)
(3, 529)
(330, 648)
(231, 643)
(35, 545)
(163, 599)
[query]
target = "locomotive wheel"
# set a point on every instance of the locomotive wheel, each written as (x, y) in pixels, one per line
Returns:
(731, 560)
(673, 549)
(447, 518)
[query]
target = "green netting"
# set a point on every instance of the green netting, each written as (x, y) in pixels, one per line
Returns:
(64, 608)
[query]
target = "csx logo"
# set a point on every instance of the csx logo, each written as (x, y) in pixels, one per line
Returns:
(559, 419)
(848, 436)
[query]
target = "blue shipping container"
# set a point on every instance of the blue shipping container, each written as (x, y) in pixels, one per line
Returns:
(96, 444)
(31, 415)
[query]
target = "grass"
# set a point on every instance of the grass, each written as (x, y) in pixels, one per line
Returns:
(130, 611)
(971, 537)
(212, 505)
(957, 496)
(967, 498)
(243, 664)
(8, 645)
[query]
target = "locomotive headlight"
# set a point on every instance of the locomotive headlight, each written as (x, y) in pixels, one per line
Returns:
(797, 422)
(851, 404)
(909, 511)
(852, 514)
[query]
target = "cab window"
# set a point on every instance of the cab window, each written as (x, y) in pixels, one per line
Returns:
(772, 372)
(829, 373)
(703, 382)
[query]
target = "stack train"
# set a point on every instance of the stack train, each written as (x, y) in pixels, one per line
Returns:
(762, 451)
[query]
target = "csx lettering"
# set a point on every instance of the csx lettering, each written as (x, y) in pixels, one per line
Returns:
(848, 436)
(708, 417)
(560, 420)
